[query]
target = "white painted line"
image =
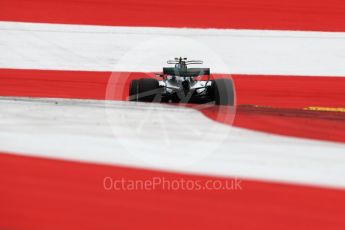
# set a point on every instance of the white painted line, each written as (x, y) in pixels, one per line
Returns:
(76, 47)
(109, 133)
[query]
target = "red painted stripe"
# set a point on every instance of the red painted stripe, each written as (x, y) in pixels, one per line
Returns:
(318, 15)
(37, 193)
(274, 90)
(291, 93)
(286, 93)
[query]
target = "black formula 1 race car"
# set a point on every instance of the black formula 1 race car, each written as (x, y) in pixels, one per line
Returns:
(184, 85)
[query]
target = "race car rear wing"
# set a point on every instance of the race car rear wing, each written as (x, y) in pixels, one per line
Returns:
(184, 61)
(186, 72)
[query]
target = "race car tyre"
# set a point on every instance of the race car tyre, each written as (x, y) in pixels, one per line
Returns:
(148, 90)
(133, 90)
(223, 91)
